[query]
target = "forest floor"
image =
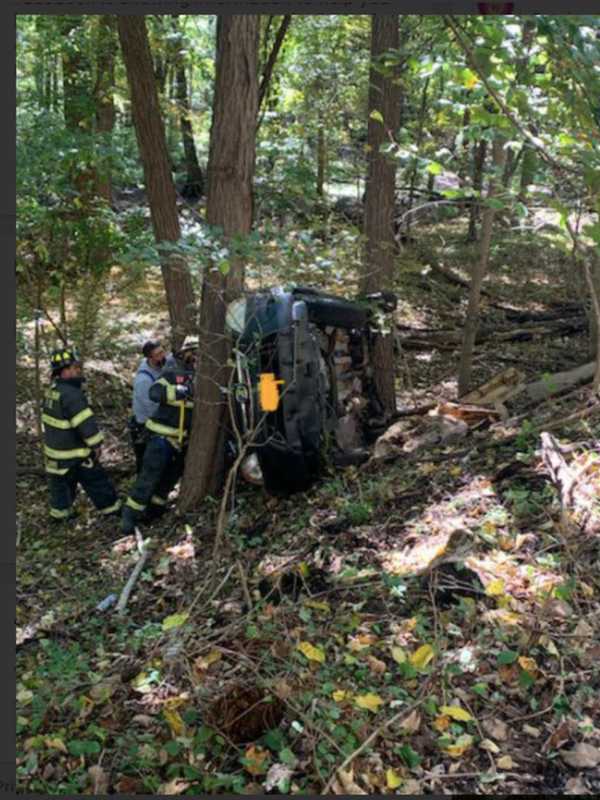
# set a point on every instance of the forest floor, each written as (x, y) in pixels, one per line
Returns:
(306, 644)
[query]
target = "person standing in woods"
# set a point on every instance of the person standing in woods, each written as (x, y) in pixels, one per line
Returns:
(169, 428)
(72, 442)
(142, 406)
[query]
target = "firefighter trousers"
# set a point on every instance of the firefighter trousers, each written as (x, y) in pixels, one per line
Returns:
(161, 469)
(95, 482)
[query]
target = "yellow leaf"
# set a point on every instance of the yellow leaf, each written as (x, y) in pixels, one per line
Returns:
(549, 645)
(174, 620)
(311, 652)
(456, 712)
(502, 616)
(55, 743)
(203, 662)
(318, 605)
(455, 471)
(399, 655)
(176, 701)
(176, 724)
(427, 468)
(256, 760)
(528, 664)
(303, 569)
(341, 694)
(422, 656)
(495, 587)
(441, 723)
(460, 746)
(369, 701)
(491, 747)
(392, 779)
(505, 762)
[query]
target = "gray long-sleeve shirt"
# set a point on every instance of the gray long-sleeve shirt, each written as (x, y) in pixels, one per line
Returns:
(143, 407)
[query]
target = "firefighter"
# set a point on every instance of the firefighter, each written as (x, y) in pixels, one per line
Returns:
(72, 442)
(169, 429)
(142, 406)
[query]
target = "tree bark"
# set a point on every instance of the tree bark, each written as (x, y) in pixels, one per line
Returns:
(194, 184)
(479, 154)
(229, 207)
(378, 266)
(321, 158)
(528, 167)
(478, 274)
(150, 133)
(103, 94)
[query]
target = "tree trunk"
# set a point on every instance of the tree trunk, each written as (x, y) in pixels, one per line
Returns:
(103, 94)
(378, 274)
(160, 189)
(194, 184)
(528, 167)
(37, 351)
(78, 99)
(321, 158)
(479, 154)
(229, 207)
(508, 170)
(592, 278)
(463, 156)
(478, 274)
(76, 75)
(54, 94)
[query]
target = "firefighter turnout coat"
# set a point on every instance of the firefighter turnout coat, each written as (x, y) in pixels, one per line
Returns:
(70, 436)
(70, 428)
(173, 418)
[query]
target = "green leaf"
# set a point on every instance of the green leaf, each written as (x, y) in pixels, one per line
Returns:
(493, 202)
(411, 758)
(526, 679)
(507, 657)
(287, 756)
(79, 747)
(274, 739)
(173, 747)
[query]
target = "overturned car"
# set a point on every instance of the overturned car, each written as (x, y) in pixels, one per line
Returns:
(303, 388)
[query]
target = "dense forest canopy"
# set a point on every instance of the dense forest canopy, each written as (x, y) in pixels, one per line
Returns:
(422, 615)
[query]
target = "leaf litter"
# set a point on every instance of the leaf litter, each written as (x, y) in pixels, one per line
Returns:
(445, 576)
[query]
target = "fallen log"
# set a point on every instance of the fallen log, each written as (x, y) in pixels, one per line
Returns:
(524, 315)
(453, 278)
(144, 551)
(552, 384)
(448, 340)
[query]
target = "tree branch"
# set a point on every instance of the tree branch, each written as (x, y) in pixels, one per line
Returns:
(268, 68)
